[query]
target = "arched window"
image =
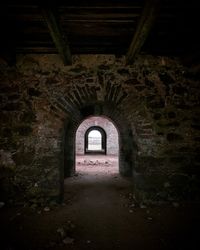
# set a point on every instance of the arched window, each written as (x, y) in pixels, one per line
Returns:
(95, 141)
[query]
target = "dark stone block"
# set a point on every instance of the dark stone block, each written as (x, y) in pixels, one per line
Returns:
(7, 189)
(23, 158)
(173, 137)
(157, 116)
(104, 67)
(123, 71)
(24, 130)
(28, 117)
(171, 115)
(196, 119)
(145, 72)
(51, 81)
(13, 97)
(140, 87)
(173, 124)
(101, 78)
(179, 180)
(166, 78)
(183, 106)
(9, 89)
(45, 73)
(186, 149)
(89, 80)
(78, 69)
(162, 124)
(12, 107)
(195, 126)
(196, 149)
(7, 132)
(197, 158)
(149, 83)
(179, 90)
(195, 76)
(191, 169)
(157, 104)
(34, 92)
(179, 160)
(132, 81)
(150, 98)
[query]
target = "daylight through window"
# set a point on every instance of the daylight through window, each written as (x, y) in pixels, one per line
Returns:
(94, 140)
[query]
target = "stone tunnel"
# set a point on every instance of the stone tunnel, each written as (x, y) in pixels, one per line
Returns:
(154, 105)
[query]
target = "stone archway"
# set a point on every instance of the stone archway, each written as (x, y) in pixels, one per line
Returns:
(102, 136)
(127, 147)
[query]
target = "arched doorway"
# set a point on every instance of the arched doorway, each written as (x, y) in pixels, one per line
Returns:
(97, 146)
(127, 146)
(95, 140)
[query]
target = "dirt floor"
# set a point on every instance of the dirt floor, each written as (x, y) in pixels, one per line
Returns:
(100, 213)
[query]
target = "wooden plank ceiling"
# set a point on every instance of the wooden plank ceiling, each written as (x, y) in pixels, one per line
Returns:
(100, 26)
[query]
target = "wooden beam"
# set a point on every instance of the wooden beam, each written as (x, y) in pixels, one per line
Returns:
(58, 37)
(144, 26)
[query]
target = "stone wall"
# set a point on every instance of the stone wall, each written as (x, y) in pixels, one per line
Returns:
(112, 142)
(154, 104)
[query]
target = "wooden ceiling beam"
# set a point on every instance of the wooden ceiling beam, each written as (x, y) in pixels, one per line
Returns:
(144, 27)
(57, 35)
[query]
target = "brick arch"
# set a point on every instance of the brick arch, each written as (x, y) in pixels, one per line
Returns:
(127, 147)
(112, 135)
(128, 113)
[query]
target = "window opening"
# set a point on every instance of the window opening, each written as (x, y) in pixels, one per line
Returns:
(94, 140)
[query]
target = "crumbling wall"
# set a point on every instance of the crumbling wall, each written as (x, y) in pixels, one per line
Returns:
(157, 96)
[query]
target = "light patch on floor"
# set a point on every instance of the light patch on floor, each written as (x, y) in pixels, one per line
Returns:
(97, 164)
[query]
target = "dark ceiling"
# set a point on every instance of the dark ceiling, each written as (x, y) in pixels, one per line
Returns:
(103, 26)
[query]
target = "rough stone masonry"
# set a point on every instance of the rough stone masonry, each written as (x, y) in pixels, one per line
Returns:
(154, 104)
